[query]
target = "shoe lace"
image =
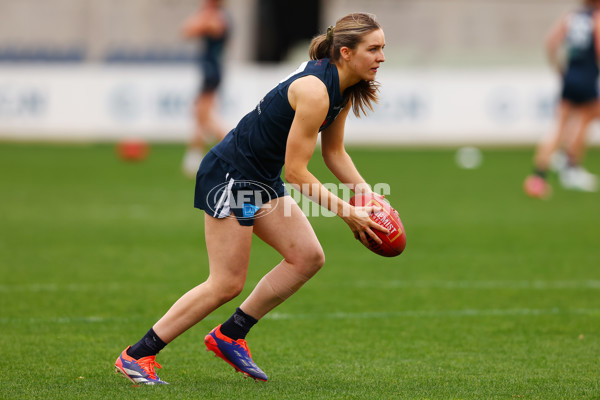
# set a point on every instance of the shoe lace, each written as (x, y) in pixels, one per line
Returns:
(148, 364)
(244, 345)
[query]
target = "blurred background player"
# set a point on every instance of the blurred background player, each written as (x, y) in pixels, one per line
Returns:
(211, 25)
(579, 32)
(282, 130)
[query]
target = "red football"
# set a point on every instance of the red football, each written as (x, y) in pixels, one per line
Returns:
(393, 243)
(132, 149)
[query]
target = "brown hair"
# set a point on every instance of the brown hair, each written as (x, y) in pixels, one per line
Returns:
(348, 32)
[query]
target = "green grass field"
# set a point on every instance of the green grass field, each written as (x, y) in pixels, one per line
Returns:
(497, 296)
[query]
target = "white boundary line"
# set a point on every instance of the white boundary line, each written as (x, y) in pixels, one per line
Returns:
(394, 284)
(536, 285)
(277, 316)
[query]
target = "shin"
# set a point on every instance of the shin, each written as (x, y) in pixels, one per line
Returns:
(275, 287)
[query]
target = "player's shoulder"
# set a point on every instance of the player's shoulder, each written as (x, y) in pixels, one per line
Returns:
(309, 89)
(315, 76)
(310, 84)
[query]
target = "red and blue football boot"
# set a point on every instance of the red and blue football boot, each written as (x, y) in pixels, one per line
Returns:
(234, 352)
(138, 371)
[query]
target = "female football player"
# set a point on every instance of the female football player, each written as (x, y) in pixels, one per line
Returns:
(240, 189)
(579, 31)
(211, 25)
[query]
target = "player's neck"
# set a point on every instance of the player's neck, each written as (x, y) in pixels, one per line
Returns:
(347, 76)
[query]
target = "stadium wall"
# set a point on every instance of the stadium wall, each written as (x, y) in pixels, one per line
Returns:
(417, 107)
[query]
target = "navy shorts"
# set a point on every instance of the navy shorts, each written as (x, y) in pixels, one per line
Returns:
(579, 89)
(222, 191)
(212, 75)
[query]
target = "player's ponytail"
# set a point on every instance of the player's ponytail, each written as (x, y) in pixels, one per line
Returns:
(348, 32)
(320, 47)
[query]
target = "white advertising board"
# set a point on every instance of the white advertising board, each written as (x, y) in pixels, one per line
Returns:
(429, 107)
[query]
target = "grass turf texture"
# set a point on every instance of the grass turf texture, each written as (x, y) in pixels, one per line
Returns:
(495, 297)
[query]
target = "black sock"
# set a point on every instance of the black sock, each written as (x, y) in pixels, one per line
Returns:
(540, 172)
(149, 345)
(238, 325)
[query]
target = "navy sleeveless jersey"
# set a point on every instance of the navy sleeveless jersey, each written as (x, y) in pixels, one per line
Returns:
(256, 146)
(582, 67)
(210, 58)
(213, 48)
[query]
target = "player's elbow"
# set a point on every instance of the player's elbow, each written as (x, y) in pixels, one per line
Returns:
(186, 33)
(333, 158)
(329, 160)
(294, 176)
(189, 30)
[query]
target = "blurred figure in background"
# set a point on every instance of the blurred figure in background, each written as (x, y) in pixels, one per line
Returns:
(211, 25)
(579, 33)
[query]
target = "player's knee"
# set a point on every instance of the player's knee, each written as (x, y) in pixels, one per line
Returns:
(203, 117)
(311, 262)
(319, 259)
(229, 294)
(228, 290)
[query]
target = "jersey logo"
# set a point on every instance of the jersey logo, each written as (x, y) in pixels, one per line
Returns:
(335, 112)
(249, 210)
(580, 31)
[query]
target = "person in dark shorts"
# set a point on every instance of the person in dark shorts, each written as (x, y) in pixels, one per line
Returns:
(238, 185)
(579, 33)
(211, 26)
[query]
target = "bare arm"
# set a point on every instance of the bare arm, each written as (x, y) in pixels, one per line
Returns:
(553, 41)
(337, 159)
(597, 33)
(204, 23)
(308, 97)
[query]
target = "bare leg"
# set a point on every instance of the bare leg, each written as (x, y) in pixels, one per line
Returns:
(281, 224)
(198, 140)
(207, 124)
(576, 149)
(209, 117)
(547, 147)
(228, 246)
(288, 231)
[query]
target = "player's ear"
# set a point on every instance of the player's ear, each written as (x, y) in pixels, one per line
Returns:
(346, 53)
